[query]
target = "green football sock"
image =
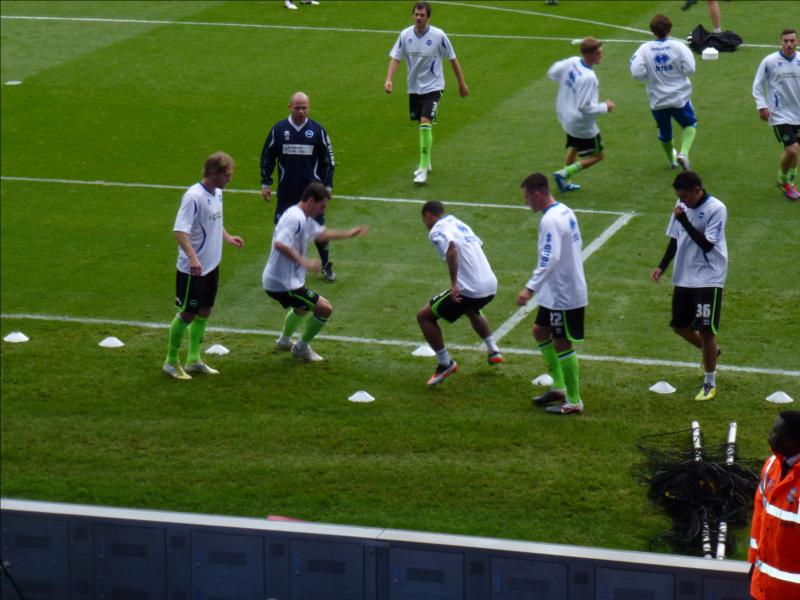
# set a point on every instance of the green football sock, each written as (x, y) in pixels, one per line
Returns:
(687, 139)
(196, 330)
(291, 322)
(176, 331)
(553, 364)
(792, 175)
(670, 151)
(425, 144)
(313, 326)
(570, 170)
(783, 177)
(569, 364)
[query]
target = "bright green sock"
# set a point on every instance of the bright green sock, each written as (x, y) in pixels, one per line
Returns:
(425, 144)
(291, 322)
(792, 176)
(176, 331)
(570, 170)
(553, 364)
(669, 150)
(313, 326)
(783, 177)
(687, 139)
(196, 330)
(569, 364)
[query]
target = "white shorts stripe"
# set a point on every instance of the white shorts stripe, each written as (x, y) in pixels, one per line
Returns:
(777, 573)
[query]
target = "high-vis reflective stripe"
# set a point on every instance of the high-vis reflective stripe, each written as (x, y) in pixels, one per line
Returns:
(753, 544)
(771, 509)
(777, 573)
(783, 515)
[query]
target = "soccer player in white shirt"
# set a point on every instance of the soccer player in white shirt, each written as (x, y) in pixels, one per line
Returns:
(199, 231)
(472, 286)
(697, 243)
(284, 274)
(424, 48)
(577, 107)
(776, 89)
(560, 287)
(666, 65)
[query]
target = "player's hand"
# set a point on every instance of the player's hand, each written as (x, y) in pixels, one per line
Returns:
(236, 241)
(524, 297)
(266, 192)
(610, 105)
(360, 230)
(455, 292)
(463, 90)
(679, 210)
(312, 265)
(763, 113)
(656, 275)
(195, 268)
(387, 86)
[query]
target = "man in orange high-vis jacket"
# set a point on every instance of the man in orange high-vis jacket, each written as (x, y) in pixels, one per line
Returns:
(775, 537)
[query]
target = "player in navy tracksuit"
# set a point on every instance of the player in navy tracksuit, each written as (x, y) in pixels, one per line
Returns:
(304, 154)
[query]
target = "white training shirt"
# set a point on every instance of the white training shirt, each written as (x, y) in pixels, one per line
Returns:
(281, 273)
(424, 56)
(777, 87)
(475, 277)
(558, 279)
(665, 65)
(694, 268)
(200, 216)
(576, 102)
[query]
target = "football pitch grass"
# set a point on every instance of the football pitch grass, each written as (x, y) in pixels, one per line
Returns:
(120, 103)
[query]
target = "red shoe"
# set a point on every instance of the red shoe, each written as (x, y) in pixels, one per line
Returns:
(790, 191)
(495, 358)
(443, 372)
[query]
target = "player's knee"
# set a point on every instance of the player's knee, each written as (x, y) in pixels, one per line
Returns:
(424, 314)
(793, 149)
(599, 156)
(324, 308)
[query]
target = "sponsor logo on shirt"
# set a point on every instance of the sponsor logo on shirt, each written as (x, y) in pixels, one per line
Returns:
(286, 135)
(298, 149)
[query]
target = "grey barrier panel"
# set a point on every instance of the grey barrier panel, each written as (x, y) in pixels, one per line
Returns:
(327, 570)
(227, 566)
(65, 551)
(515, 579)
(39, 550)
(129, 562)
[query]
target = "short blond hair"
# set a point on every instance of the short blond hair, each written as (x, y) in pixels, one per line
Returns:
(217, 163)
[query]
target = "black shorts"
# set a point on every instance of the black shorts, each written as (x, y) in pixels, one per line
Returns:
(787, 134)
(698, 308)
(564, 323)
(193, 292)
(299, 298)
(585, 147)
(424, 105)
(444, 307)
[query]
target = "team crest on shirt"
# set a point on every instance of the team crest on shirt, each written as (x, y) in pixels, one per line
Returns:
(429, 42)
(309, 133)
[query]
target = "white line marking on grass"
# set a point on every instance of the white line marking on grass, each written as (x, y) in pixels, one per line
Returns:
(524, 311)
(648, 362)
(159, 186)
(394, 32)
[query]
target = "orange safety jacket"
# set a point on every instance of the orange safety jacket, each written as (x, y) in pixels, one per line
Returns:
(775, 537)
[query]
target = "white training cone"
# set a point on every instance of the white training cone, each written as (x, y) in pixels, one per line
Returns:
(662, 387)
(13, 82)
(544, 379)
(217, 349)
(424, 350)
(16, 337)
(111, 342)
(710, 54)
(361, 396)
(780, 398)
